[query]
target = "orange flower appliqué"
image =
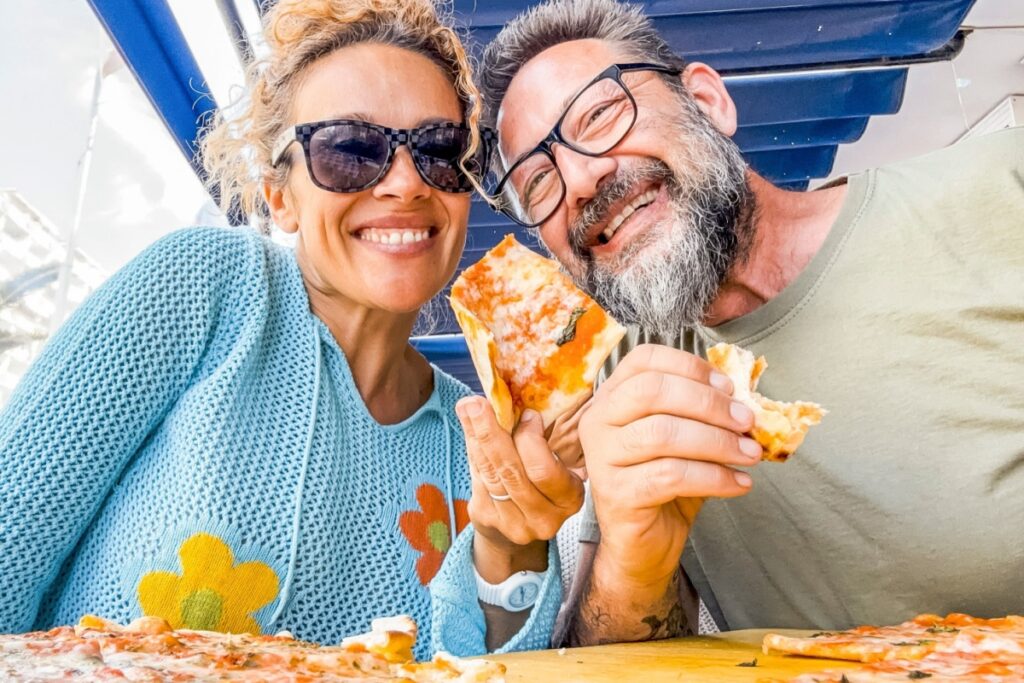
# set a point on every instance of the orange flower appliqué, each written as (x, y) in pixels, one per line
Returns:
(429, 531)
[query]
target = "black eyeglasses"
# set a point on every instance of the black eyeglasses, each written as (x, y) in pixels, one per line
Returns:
(596, 120)
(346, 155)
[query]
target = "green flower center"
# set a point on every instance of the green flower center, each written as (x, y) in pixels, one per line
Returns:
(201, 609)
(437, 532)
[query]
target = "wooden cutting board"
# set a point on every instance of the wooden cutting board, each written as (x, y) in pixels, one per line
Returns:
(708, 658)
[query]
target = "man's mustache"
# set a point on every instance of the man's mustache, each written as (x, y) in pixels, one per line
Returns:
(610, 192)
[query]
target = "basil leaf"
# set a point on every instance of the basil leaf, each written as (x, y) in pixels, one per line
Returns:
(569, 333)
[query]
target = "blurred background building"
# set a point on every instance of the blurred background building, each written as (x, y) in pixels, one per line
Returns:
(36, 292)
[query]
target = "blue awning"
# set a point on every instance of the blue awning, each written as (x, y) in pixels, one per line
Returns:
(806, 76)
(754, 35)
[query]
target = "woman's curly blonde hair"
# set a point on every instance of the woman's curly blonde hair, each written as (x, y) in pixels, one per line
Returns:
(236, 153)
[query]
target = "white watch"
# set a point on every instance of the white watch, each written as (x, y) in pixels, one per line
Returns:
(514, 594)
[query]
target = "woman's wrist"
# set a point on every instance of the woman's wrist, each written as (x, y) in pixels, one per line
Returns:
(498, 559)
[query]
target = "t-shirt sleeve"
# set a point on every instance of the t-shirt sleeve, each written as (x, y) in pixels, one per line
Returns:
(94, 395)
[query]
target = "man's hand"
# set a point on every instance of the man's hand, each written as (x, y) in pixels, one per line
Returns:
(512, 533)
(661, 435)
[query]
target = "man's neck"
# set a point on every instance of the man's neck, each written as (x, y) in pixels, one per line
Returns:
(788, 229)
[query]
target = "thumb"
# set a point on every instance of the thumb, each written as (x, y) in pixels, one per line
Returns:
(530, 422)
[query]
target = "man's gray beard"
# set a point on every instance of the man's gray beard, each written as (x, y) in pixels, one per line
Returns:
(667, 278)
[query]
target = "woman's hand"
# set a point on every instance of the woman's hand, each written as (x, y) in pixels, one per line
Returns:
(522, 492)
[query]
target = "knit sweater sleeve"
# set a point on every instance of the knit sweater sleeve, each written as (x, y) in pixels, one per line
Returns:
(457, 621)
(93, 396)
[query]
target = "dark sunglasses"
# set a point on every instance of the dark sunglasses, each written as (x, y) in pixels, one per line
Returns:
(346, 155)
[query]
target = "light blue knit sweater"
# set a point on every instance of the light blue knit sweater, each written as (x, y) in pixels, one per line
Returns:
(192, 444)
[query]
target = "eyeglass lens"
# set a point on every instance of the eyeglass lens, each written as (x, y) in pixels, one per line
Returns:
(596, 121)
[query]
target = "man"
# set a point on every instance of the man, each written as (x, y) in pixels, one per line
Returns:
(894, 298)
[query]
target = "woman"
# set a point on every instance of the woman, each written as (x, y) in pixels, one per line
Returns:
(239, 437)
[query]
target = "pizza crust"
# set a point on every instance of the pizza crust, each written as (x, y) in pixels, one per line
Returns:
(484, 352)
(779, 427)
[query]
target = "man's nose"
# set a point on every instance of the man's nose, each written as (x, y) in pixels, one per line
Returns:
(583, 175)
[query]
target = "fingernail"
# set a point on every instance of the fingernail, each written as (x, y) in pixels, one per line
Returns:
(750, 448)
(527, 416)
(474, 409)
(721, 382)
(743, 479)
(740, 412)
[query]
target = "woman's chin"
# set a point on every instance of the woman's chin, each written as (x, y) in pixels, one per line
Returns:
(403, 300)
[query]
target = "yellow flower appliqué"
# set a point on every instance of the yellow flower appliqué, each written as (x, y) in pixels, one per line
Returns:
(212, 593)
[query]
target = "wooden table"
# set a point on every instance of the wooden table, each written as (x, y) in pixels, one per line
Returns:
(707, 658)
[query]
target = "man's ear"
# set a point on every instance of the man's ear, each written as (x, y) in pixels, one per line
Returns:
(282, 207)
(708, 89)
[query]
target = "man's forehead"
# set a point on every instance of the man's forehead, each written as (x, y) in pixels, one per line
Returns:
(538, 94)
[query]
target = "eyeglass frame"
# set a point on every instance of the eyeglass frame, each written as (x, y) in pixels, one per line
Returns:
(303, 133)
(555, 136)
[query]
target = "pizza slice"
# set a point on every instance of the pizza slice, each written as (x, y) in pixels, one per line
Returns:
(916, 639)
(536, 340)
(148, 649)
(779, 427)
(935, 668)
(955, 648)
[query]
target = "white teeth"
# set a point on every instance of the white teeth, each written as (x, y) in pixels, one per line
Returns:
(638, 203)
(389, 236)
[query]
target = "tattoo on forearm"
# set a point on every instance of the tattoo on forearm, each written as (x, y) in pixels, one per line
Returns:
(672, 626)
(598, 621)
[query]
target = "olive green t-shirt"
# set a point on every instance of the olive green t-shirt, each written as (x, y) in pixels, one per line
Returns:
(908, 326)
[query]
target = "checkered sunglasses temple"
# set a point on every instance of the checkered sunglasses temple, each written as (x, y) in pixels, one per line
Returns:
(345, 155)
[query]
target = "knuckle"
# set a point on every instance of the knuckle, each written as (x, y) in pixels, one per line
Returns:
(645, 353)
(643, 387)
(540, 473)
(510, 475)
(519, 536)
(649, 434)
(488, 473)
(484, 435)
(724, 442)
(548, 528)
(705, 401)
(673, 475)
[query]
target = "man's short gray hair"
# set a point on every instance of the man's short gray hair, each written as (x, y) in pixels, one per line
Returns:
(560, 21)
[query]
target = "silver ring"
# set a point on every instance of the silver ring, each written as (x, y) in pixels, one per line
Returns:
(499, 499)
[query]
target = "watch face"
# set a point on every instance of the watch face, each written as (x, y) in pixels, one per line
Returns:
(523, 595)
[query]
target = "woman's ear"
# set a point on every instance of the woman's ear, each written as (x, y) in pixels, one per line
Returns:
(282, 207)
(709, 91)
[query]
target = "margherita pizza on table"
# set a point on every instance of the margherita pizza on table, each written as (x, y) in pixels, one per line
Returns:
(536, 340)
(149, 650)
(953, 648)
(779, 427)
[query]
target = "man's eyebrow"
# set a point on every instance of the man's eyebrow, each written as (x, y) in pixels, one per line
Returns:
(562, 109)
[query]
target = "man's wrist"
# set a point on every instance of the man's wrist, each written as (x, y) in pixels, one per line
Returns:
(495, 562)
(621, 579)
